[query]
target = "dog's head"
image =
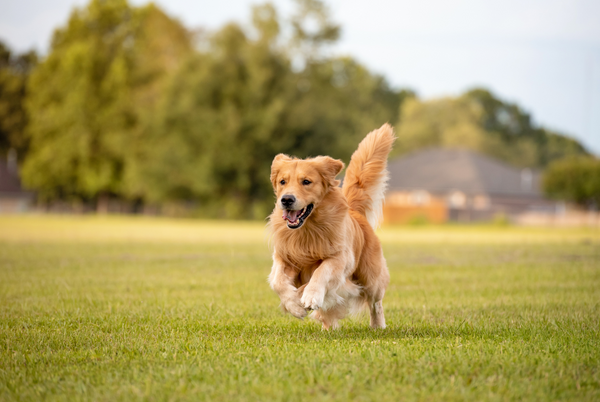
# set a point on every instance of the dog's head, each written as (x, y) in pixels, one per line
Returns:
(301, 184)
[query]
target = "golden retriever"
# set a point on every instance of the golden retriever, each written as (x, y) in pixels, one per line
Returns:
(326, 256)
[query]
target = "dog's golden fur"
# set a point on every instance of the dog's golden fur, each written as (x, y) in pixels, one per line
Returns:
(331, 261)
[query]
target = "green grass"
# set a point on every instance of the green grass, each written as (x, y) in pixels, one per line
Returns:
(157, 309)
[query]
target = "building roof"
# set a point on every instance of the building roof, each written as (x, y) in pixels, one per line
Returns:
(440, 170)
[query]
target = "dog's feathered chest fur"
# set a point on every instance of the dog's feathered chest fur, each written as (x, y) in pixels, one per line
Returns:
(319, 238)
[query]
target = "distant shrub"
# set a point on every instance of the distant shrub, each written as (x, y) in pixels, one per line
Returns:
(574, 179)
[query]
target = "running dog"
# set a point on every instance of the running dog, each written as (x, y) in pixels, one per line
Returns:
(326, 256)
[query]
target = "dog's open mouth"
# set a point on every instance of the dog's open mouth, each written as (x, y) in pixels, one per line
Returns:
(295, 219)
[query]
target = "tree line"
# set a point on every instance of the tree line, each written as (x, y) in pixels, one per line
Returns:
(129, 104)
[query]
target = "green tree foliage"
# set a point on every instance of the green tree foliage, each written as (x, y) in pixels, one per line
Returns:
(123, 105)
(234, 106)
(575, 180)
(87, 98)
(14, 72)
(514, 127)
(484, 123)
(128, 105)
(312, 30)
(210, 138)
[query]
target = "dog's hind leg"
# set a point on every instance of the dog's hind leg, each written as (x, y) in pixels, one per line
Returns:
(377, 317)
(375, 294)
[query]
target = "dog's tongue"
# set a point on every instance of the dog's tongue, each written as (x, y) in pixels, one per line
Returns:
(290, 215)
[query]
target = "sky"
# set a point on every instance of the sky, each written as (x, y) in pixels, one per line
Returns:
(542, 54)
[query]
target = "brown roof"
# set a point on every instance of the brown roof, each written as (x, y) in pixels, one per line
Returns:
(440, 170)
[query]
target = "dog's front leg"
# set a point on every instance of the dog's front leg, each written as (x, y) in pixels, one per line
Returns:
(330, 275)
(281, 280)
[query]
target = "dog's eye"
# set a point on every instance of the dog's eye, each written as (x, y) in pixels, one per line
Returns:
(306, 182)
(282, 182)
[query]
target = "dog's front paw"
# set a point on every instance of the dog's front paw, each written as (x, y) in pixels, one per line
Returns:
(313, 297)
(294, 307)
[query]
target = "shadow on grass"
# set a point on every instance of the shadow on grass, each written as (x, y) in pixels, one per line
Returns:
(491, 324)
(362, 332)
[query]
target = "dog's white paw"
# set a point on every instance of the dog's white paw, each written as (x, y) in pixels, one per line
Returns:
(313, 297)
(294, 307)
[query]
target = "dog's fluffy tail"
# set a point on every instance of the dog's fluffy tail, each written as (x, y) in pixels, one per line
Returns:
(366, 177)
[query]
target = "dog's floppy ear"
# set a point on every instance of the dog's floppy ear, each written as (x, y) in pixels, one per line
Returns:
(330, 168)
(276, 166)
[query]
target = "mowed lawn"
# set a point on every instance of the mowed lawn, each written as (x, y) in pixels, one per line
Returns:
(114, 308)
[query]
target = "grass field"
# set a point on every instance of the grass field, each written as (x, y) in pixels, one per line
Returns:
(156, 309)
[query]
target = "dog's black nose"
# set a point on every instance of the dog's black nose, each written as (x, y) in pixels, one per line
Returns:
(288, 200)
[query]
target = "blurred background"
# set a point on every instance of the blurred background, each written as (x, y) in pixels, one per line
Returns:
(177, 108)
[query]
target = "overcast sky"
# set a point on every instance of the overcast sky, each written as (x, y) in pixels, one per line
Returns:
(542, 54)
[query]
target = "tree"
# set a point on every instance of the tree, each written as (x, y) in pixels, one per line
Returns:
(514, 127)
(479, 121)
(14, 72)
(124, 106)
(312, 31)
(88, 97)
(218, 124)
(230, 109)
(574, 179)
(337, 102)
